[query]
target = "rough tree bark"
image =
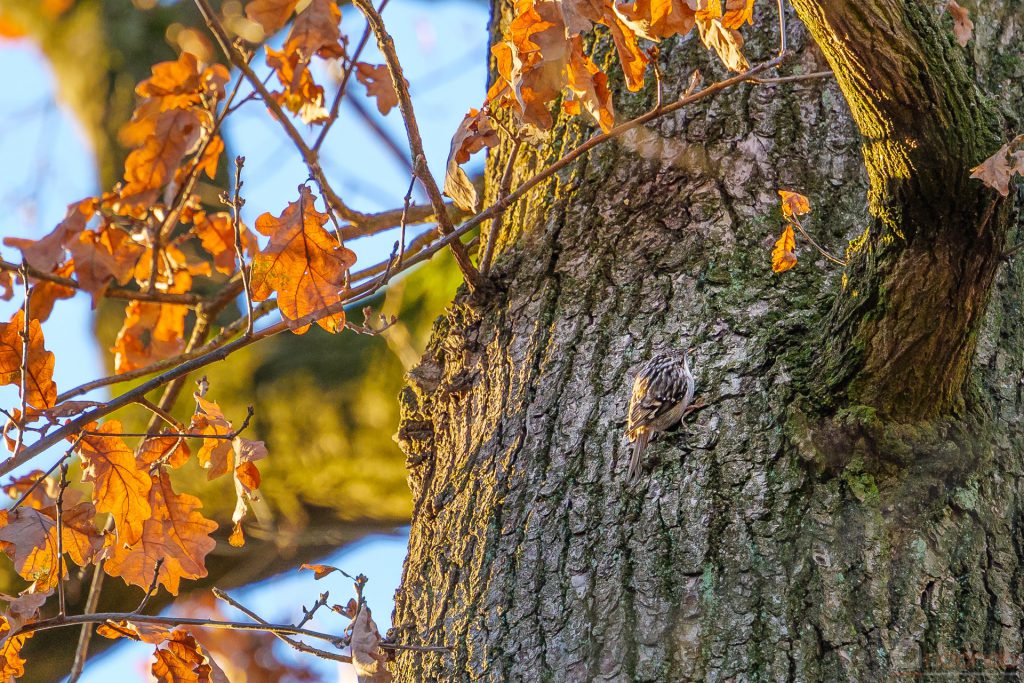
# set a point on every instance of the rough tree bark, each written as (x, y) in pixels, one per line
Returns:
(848, 505)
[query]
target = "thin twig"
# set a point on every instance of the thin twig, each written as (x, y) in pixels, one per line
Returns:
(298, 645)
(152, 586)
(419, 159)
(826, 254)
(91, 602)
(504, 187)
(236, 204)
(61, 605)
(791, 79)
(164, 415)
(110, 292)
(24, 361)
(307, 614)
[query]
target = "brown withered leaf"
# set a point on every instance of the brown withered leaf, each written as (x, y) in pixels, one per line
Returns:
(24, 608)
(211, 157)
(367, 658)
(270, 14)
(738, 12)
(589, 87)
(182, 660)
(727, 42)
(379, 85)
(101, 257)
(121, 486)
(216, 454)
(473, 134)
(176, 532)
(151, 332)
(320, 570)
(998, 169)
(154, 634)
(301, 95)
(783, 257)
(657, 19)
(963, 27)
(32, 537)
(41, 391)
(45, 293)
(794, 204)
(12, 664)
(44, 254)
(303, 264)
(169, 450)
(176, 133)
(217, 235)
(180, 84)
(316, 31)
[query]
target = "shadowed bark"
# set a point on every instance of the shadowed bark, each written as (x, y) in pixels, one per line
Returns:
(805, 527)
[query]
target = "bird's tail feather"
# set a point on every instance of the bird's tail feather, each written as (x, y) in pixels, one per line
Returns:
(639, 446)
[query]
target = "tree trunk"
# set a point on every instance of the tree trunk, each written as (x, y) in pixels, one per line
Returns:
(833, 513)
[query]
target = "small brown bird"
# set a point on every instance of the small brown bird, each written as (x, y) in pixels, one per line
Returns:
(662, 391)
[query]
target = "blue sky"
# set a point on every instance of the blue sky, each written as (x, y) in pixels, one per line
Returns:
(47, 165)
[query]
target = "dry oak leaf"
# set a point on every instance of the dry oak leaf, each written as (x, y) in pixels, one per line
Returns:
(997, 170)
(151, 332)
(379, 85)
(12, 664)
(367, 657)
(121, 486)
(217, 235)
(166, 450)
(316, 32)
(301, 95)
(32, 537)
(41, 391)
(321, 570)
(303, 263)
(23, 609)
(794, 204)
(101, 257)
(657, 19)
(473, 134)
(176, 132)
(727, 42)
(46, 293)
(176, 532)
(963, 27)
(44, 254)
(216, 454)
(270, 14)
(783, 257)
(154, 634)
(182, 660)
(181, 85)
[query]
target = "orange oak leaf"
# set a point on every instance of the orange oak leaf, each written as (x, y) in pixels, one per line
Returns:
(12, 664)
(301, 95)
(217, 235)
(23, 609)
(154, 634)
(657, 19)
(589, 86)
(101, 257)
(32, 537)
(727, 42)
(211, 157)
(998, 169)
(41, 391)
(270, 14)
(379, 85)
(738, 12)
(151, 332)
(44, 254)
(180, 84)
(169, 450)
(121, 486)
(246, 479)
(176, 532)
(303, 263)
(176, 132)
(783, 257)
(321, 570)
(963, 27)
(472, 135)
(316, 31)
(183, 660)
(45, 294)
(794, 204)
(216, 455)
